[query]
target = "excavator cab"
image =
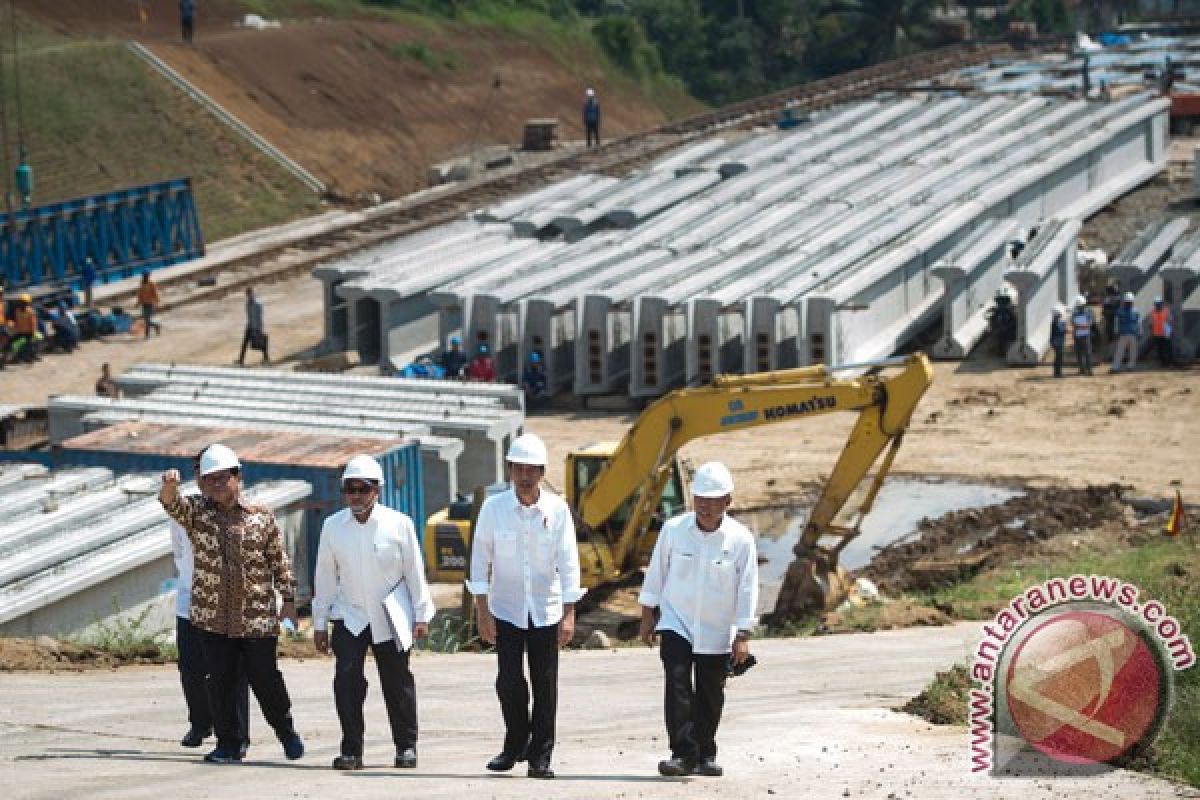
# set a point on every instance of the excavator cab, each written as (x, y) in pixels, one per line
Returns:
(596, 559)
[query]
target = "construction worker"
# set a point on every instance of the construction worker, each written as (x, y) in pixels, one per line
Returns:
(533, 381)
(148, 298)
(1083, 325)
(591, 117)
(1128, 329)
(1108, 311)
(87, 280)
(24, 327)
(1161, 326)
(239, 564)
(370, 579)
(255, 335)
(187, 19)
(699, 597)
(454, 360)
(1058, 339)
(482, 368)
(525, 578)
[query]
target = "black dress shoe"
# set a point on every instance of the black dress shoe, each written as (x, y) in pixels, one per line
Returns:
(505, 761)
(407, 758)
(541, 771)
(347, 762)
(195, 736)
(709, 768)
(674, 767)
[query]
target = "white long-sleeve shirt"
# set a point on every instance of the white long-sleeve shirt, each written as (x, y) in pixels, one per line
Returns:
(705, 585)
(532, 557)
(360, 564)
(181, 552)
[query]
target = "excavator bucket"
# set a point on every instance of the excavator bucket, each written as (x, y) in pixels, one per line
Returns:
(811, 585)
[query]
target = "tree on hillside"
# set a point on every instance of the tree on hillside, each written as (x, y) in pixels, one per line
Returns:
(887, 27)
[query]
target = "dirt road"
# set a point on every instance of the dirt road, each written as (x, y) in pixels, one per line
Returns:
(980, 420)
(801, 725)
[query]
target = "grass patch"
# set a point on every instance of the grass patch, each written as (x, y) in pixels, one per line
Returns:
(130, 638)
(428, 56)
(1165, 570)
(944, 700)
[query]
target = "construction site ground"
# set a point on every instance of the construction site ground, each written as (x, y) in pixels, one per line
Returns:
(804, 724)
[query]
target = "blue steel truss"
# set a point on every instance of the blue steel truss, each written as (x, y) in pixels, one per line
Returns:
(124, 233)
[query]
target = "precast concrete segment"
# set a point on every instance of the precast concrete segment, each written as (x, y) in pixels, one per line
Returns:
(510, 209)
(657, 352)
(128, 570)
(549, 331)
(637, 185)
(637, 208)
(449, 393)
(971, 274)
(690, 157)
(538, 219)
(1039, 284)
(1147, 253)
(46, 494)
(1181, 283)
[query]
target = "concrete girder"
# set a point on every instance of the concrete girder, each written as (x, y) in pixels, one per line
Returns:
(535, 220)
(1182, 284)
(1138, 262)
(658, 349)
(550, 331)
(690, 157)
(1044, 278)
(635, 186)
(642, 206)
(971, 274)
(510, 209)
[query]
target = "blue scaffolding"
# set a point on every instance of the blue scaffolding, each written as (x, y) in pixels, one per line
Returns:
(124, 233)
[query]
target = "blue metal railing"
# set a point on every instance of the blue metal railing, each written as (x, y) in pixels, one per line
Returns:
(123, 232)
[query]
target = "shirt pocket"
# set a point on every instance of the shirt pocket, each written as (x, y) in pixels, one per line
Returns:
(506, 543)
(388, 554)
(722, 573)
(682, 567)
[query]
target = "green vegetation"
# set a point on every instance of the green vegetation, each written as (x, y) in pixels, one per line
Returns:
(426, 55)
(93, 119)
(129, 638)
(944, 700)
(1163, 569)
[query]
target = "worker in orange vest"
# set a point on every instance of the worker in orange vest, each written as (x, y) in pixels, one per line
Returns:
(148, 299)
(24, 326)
(1160, 329)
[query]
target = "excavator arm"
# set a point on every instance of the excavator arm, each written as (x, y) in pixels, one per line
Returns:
(642, 462)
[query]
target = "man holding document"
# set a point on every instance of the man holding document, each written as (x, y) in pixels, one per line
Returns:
(370, 580)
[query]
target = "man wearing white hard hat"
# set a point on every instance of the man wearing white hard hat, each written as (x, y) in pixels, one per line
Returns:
(1083, 327)
(591, 118)
(1128, 327)
(699, 598)
(370, 581)
(525, 578)
(239, 562)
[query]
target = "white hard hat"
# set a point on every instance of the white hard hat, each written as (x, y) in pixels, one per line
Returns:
(591, 92)
(1081, 300)
(363, 468)
(1127, 297)
(1157, 301)
(527, 448)
(216, 458)
(712, 480)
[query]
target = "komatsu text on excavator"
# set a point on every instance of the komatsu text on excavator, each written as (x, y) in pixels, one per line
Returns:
(623, 492)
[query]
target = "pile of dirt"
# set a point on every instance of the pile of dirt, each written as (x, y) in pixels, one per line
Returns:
(900, 613)
(944, 701)
(48, 654)
(955, 546)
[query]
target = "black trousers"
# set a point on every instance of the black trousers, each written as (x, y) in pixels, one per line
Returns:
(248, 341)
(692, 714)
(1162, 346)
(350, 688)
(1058, 359)
(188, 26)
(226, 657)
(526, 732)
(194, 677)
(593, 133)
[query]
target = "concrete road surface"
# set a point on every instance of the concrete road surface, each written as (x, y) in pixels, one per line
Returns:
(813, 721)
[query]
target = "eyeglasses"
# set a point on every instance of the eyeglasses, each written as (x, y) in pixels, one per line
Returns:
(220, 476)
(357, 488)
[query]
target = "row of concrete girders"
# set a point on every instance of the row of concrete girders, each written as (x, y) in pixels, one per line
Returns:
(597, 348)
(1164, 262)
(971, 274)
(63, 579)
(1044, 278)
(463, 428)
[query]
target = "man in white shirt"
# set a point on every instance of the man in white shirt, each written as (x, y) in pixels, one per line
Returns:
(370, 578)
(525, 578)
(703, 583)
(193, 669)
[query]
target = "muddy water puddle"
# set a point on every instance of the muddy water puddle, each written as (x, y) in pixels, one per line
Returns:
(901, 505)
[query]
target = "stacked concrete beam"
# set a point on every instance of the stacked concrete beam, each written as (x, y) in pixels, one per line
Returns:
(1181, 279)
(971, 275)
(1044, 277)
(1139, 266)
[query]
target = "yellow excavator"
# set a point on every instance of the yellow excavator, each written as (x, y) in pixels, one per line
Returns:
(623, 492)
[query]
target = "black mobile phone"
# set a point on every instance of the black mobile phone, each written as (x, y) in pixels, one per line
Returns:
(740, 669)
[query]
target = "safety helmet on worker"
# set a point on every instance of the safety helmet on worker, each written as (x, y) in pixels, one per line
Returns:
(25, 298)
(216, 458)
(1158, 301)
(591, 92)
(1080, 301)
(483, 349)
(528, 448)
(1127, 297)
(712, 480)
(535, 357)
(363, 468)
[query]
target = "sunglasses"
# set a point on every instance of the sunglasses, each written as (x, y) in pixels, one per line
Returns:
(357, 488)
(219, 477)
